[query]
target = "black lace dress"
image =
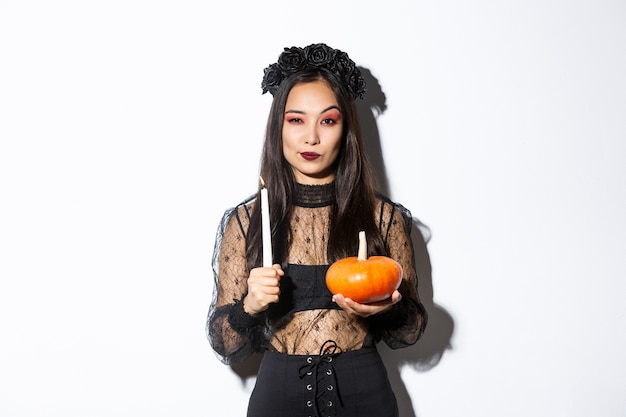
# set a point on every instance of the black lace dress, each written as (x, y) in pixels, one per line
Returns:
(306, 331)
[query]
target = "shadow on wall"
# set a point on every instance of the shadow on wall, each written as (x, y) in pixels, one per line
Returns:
(428, 351)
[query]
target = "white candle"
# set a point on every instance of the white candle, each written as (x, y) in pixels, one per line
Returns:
(267, 231)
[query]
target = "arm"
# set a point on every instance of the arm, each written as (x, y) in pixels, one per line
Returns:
(233, 333)
(403, 323)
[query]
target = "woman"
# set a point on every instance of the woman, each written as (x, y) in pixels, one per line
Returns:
(320, 356)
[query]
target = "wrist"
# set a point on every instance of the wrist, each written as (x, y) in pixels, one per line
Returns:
(242, 321)
(246, 307)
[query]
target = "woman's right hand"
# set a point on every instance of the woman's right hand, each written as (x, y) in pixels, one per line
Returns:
(263, 288)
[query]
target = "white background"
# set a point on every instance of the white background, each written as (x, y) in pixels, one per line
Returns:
(128, 127)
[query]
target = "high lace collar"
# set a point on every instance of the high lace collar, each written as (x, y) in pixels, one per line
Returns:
(314, 195)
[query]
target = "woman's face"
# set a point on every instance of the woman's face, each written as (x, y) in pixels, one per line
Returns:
(312, 130)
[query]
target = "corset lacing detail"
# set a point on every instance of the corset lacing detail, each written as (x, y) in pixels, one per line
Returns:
(328, 352)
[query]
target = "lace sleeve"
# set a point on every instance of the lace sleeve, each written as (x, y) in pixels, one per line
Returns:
(233, 333)
(404, 324)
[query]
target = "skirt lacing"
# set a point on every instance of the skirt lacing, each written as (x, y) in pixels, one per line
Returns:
(322, 371)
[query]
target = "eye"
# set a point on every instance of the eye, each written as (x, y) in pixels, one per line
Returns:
(294, 120)
(331, 117)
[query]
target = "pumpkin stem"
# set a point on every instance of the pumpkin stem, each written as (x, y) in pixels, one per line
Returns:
(362, 256)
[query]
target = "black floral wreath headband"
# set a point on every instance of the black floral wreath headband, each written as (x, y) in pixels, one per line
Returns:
(318, 55)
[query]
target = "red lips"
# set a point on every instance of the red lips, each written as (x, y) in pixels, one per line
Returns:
(309, 156)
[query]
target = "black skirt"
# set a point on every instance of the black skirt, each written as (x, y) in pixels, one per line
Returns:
(349, 384)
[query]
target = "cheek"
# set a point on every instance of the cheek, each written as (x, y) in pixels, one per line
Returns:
(285, 149)
(335, 154)
(285, 140)
(335, 145)
(289, 150)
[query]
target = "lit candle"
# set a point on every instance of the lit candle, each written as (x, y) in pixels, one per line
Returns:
(267, 231)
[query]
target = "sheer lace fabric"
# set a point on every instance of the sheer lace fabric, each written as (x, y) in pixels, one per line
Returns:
(234, 334)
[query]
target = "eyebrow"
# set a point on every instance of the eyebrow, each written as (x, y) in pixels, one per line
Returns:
(323, 111)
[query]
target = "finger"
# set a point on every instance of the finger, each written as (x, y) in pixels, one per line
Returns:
(274, 270)
(264, 293)
(278, 269)
(270, 289)
(267, 281)
(344, 303)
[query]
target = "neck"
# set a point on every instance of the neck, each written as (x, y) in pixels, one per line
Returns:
(314, 195)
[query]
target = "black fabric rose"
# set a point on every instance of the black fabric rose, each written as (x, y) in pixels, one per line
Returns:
(344, 64)
(272, 77)
(292, 60)
(319, 54)
(357, 84)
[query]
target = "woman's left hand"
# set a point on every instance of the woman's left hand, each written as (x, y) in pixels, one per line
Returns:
(366, 310)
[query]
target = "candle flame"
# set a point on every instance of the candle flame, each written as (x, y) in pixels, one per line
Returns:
(262, 182)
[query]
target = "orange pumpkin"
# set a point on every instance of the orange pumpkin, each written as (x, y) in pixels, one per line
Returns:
(363, 279)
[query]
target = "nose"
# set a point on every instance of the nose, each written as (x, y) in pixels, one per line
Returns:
(313, 138)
